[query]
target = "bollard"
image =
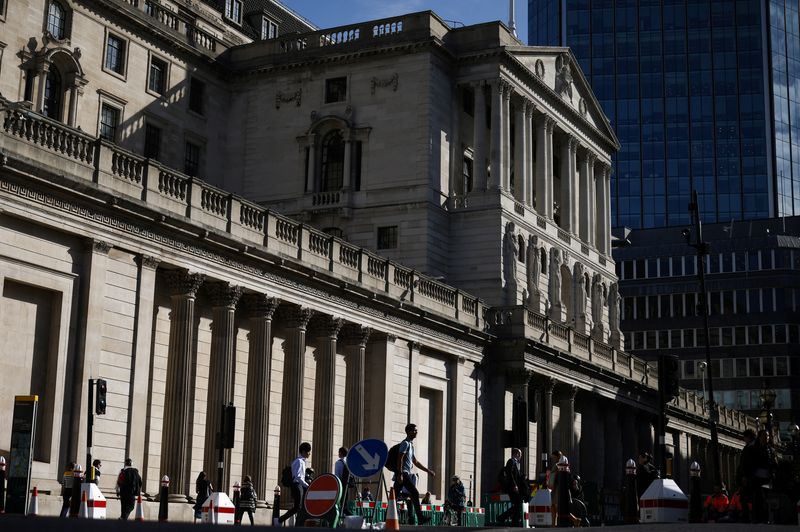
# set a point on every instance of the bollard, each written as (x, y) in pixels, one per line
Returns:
(276, 507)
(631, 493)
(75, 501)
(163, 500)
(237, 514)
(2, 485)
(695, 499)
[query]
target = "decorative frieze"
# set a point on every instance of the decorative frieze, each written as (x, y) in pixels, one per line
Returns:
(386, 82)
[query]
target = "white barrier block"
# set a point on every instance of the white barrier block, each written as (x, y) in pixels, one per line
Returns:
(95, 501)
(663, 502)
(540, 508)
(222, 512)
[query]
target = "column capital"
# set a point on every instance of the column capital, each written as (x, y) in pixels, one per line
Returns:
(569, 391)
(355, 335)
(260, 305)
(530, 107)
(325, 326)
(98, 246)
(148, 261)
(295, 317)
(181, 282)
(573, 143)
(414, 346)
(223, 294)
(546, 383)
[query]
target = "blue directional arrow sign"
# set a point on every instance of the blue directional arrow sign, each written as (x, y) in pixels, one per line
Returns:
(367, 458)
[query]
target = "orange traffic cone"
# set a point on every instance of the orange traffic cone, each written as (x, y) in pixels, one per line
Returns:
(84, 511)
(392, 523)
(33, 506)
(139, 512)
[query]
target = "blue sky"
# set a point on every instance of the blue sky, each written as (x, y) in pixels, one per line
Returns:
(330, 13)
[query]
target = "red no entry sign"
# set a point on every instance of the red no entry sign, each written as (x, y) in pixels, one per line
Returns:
(322, 495)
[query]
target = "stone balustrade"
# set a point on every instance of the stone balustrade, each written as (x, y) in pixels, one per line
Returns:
(171, 195)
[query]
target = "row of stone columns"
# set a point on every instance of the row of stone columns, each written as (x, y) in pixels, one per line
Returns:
(259, 308)
(585, 184)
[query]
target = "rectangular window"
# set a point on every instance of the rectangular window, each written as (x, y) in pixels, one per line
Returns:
(109, 122)
(335, 90)
(197, 93)
(666, 303)
(652, 268)
(650, 340)
(754, 300)
(741, 367)
(152, 141)
(387, 237)
(191, 162)
(269, 30)
(688, 368)
(233, 10)
(690, 265)
(158, 76)
(766, 334)
(753, 335)
(115, 54)
(641, 309)
(652, 307)
(753, 264)
(741, 301)
(663, 339)
(675, 339)
(677, 265)
(727, 368)
(781, 366)
(727, 335)
(727, 302)
(755, 367)
(663, 267)
(466, 176)
(740, 336)
(768, 366)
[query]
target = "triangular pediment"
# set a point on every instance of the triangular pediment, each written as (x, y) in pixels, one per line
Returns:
(559, 70)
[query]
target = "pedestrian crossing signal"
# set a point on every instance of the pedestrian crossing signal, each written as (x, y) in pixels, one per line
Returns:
(100, 397)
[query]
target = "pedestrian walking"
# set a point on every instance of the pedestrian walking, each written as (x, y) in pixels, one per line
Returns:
(341, 470)
(764, 465)
(406, 460)
(247, 501)
(94, 472)
(515, 487)
(745, 474)
(299, 484)
(456, 497)
(129, 485)
(646, 473)
(203, 489)
(552, 474)
(66, 488)
(366, 495)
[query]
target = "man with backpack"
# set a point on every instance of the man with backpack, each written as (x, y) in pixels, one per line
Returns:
(129, 485)
(403, 476)
(515, 486)
(297, 476)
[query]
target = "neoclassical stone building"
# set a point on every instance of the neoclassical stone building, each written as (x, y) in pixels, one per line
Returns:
(339, 232)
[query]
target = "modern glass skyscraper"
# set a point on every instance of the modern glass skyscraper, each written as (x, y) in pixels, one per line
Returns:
(703, 94)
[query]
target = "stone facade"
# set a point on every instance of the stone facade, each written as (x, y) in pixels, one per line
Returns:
(184, 295)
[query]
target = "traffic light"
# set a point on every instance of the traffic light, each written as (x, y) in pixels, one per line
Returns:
(669, 376)
(228, 425)
(100, 397)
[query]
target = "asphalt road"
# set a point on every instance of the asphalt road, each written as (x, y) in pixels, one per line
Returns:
(10, 523)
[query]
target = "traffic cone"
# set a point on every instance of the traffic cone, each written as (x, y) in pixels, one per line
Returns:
(84, 511)
(392, 523)
(33, 507)
(139, 512)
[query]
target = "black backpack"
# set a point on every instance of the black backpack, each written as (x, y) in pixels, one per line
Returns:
(134, 480)
(287, 478)
(391, 458)
(247, 493)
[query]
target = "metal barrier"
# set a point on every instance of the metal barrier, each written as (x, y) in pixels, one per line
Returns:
(495, 504)
(471, 516)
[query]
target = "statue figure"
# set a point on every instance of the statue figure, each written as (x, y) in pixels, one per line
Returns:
(555, 279)
(614, 300)
(597, 299)
(534, 269)
(510, 252)
(579, 292)
(563, 77)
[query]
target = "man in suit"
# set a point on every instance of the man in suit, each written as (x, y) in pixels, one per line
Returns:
(516, 488)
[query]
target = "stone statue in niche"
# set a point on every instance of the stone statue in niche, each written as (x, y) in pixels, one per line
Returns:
(579, 292)
(556, 308)
(534, 271)
(510, 253)
(598, 300)
(563, 77)
(613, 308)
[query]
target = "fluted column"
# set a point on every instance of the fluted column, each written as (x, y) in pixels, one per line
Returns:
(224, 298)
(296, 320)
(586, 196)
(521, 152)
(178, 392)
(544, 166)
(607, 209)
(455, 423)
(614, 463)
(355, 338)
(259, 308)
(568, 183)
(479, 137)
(497, 136)
(528, 148)
(506, 144)
(603, 220)
(567, 422)
(326, 331)
(548, 384)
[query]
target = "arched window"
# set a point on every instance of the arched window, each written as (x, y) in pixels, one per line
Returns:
(57, 20)
(332, 162)
(52, 94)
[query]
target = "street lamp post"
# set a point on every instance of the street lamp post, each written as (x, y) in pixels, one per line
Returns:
(767, 397)
(702, 251)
